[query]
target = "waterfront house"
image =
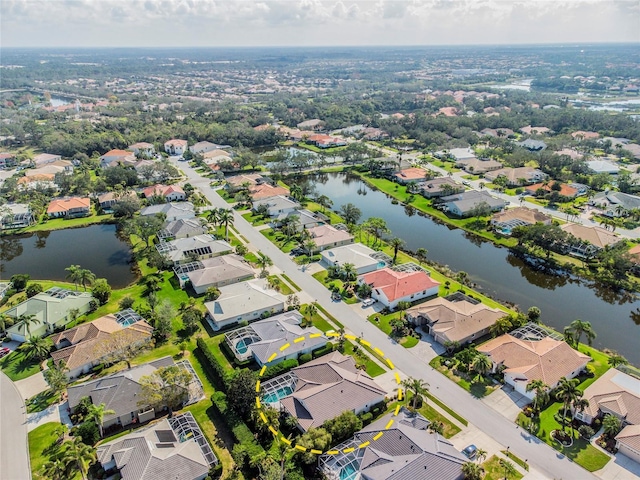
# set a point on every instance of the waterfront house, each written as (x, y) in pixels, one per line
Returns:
(172, 211)
(517, 176)
(589, 240)
(276, 206)
(523, 361)
(506, 220)
(304, 219)
(171, 193)
(244, 301)
(89, 344)
(214, 272)
(463, 204)
(241, 181)
(390, 287)
(326, 387)
(437, 187)
(52, 310)
(15, 215)
(71, 207)
(176, 146)
(174, 448)
(183, 228)
(356, 254)
(107, 200)
(263, 338)
(410, 175)
(328, 236)
(195, 248)
(395, 447)
(265, 190)
(455, 318)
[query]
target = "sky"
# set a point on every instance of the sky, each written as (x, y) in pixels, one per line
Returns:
(219, 23)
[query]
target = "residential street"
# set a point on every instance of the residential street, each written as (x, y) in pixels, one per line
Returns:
(542, 457)
(14, 449)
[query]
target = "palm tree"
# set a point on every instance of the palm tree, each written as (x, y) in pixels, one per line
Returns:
(97, 413)
(36, 347)
(508, 467)
(417, 386)
(83, 455)
(296, 192)
(263, 262)
(396, 243)
(481, 455)
(309, 247)
(55, 469)
(86, 276)
(472, 471)
(567, 392)
(421, 255)
(616, 359)
(325, 202)
(74, 274)
(312, 309)
(225, 217)
(578, 405)
(481, 364)
(5, 320)
(578, 327)
(212, 217)
(26, 320)
(611, 425)
(349, 272)
(542, 393)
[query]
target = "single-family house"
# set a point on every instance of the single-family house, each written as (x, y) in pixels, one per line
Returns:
(173, 448)
(44, 158)
(589, 240)
(529, 130)
(328, 236)
(304, 219)
(244, 301)
(532, 145)
(52, 310)
(116, 157)
(70, 207)
(390, 287)
(265, 190)
(410, 175)
(478, 166)
(59, 166)
(615, 204)
(439, 187)
(246, 180)
(214, 272)
(176, 146)
(107, 200)
(326, 387)
(213, 157)
(41, 181)
(7, 160)
(182, 228)
(356, 254)
(526, 360)
(517, 176)
(15, 215)
(89, 344)
(313, 124)
(603, 166)
(203, 147)
(628, 442)
(142, 148)
(172, 211)
(276, 206)
(564, 189)
(263, 338)
(455, 318)
(191, 249)
(460, 153)
(510, 218)
(583, 135)
(463, 204)
(171, 193)
(395, 447)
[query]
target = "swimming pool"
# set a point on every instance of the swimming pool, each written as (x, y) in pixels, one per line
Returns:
(128, 321)
(274, 397)
(243, 345)
(348, 472)
(382, 264)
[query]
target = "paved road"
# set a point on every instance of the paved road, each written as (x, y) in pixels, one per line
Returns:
(541, 456)
(14, 451)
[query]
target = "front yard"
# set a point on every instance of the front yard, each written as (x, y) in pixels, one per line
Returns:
(383, 322)
(476, 388)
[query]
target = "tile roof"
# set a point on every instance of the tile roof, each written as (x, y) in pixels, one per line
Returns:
(183, 227)
(162, 190)
(176, 142)
(547, 359)
(357, 254)
(397, 285)
(172, 210)
(221, 269)
(597, 236)
(326, 235)
(327, 387)
(565, 190)
(527, 215)
(86, 331)
(265, 190)
(244, 297)
(411, 174)
(618, 392)
(630, 437)
(116, 154)
(66, 204)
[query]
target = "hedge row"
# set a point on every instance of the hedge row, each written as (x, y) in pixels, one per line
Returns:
(215, 371)
(279, 368)
(318, 352)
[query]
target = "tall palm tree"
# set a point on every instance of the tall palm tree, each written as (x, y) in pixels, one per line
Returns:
(396, 243)
(26, 320)
(417, 386)
(472, 471)
(263, 262)
(508, 468)
(36, 347)
(73, 274)
(296, 192)
(421, 255)
(83, 455)
(225, 217)
(349, 272)
(481, 364)
(55, 469)
(86, 276)
(616, 359)
(97, 413)
(578, 405)
(611, 425)
(567, 392)
(578, 327)
(325, 202)
(212, 216)
(542, 393)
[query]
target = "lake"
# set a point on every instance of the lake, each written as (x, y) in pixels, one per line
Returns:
(496, 272)
(45, 255)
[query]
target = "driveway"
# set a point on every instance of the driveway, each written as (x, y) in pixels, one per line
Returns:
(14, 451)
(30, 386)
(506, 401)
(620, 467)
(58, 413)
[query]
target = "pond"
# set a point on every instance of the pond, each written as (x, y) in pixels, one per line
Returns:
(45, 255)
(562, 299)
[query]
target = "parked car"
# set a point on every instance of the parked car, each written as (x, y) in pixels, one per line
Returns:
(4, 351)
(336, 297)
(467, 183)
(367, 302)
(471, 451)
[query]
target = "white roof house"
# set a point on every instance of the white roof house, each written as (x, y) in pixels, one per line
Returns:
(357, 254)
(215, 272)
(173, 211)
(200, 246)
(244, 301)
(277, 205)
(603, 166)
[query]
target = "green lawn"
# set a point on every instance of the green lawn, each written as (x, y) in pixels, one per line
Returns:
(255, 219)
(282, 287)
(384, 324)
(42, 401)
(41, 444)
(280, 240)
(291, 282)
(477, 389)
(61, 223)
(371, 367)
(493, 470)
(17, 366)
(323, 277)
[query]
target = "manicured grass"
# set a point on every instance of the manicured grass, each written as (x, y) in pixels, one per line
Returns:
(330, 317)
(280, 240)
(291, 282)
(323, 277)
(17, 366)
(255, 219)
(449, 428)
(41, 445)
(61, 223)
(515, 459)
(493, 470)
(214, 347)
(282, 287)
(475, 388)
(371, 367)
(42, 401)
(443, 406)
(384, 324)
(319, 322)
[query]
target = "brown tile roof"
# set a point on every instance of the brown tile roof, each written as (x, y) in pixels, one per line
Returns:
(162, 190)
(525, 214)
(66, 204)
(399, 284)
(617, 392)
(323, 235)
(411, 174)
(630, 436)
(86, 331)
(327, 387)
(565, 190)
(547, 359)
(597, 236)
(265, 191)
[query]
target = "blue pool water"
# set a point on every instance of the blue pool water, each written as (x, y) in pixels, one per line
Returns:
(348, 472)
(273, 397)
(242, 346)
(382, 264)
(127, 322)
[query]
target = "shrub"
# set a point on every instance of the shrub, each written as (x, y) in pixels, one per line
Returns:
(88, 431)
(216, 373)
(519, 190)
(304, 358)
(318, 352)
(366, 418)
(279, 368)
(126, 302)
(586, 432)
(19, 281)
(33, 289)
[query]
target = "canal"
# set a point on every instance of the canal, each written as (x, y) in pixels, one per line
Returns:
(45, 255)
(496, 272)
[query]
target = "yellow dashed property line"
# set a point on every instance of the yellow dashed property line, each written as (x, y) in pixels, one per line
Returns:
(315, 451)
